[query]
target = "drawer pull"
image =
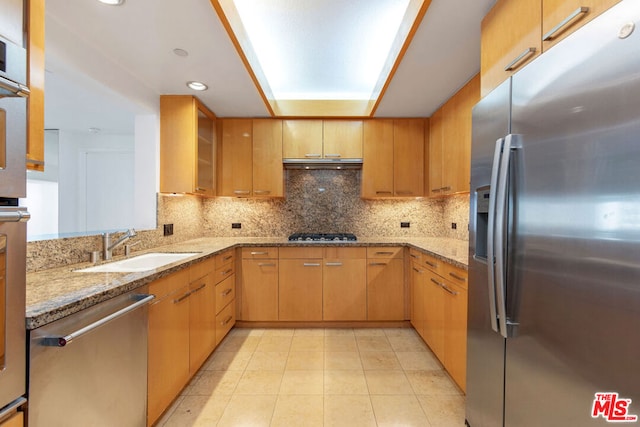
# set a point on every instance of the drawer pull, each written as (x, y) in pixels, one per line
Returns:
(200, 189)
(226, 292)
(455, 276)
(259, 253)
(416, 270)
(198, 289)
(377, 263)
(224, 273)
(430, 264)
(227, 320)
(332, 155)
(445, 188)
(414, 256)
(266, 264)
(437, 283)
(513, 64)
(333, 264)
(311, 264)
(312, 155)
(452, 292)
(384, 192)
(435, 190)
(243, 192)
(227, 258)
(261, 191)
(182, 298)
(558, 28)
(384, 253)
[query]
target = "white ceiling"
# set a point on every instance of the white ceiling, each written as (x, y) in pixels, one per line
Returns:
(105, 64)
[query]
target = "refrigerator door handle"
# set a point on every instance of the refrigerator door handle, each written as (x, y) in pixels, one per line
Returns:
(491, 236)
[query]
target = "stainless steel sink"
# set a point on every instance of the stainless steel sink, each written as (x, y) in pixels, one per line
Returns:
(139, 263)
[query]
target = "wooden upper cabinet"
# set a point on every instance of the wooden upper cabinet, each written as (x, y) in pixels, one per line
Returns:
(236, 154)
(302, 139)
(187, 146)
(511, 37)
(268, 176)
(342, 139)
(35, 81)
(377, 159)
(435, 153)
(562, 17)
(408, 157)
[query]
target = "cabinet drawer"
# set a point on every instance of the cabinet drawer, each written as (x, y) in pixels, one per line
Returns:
(300, 252)
(201, 269)
(225, 321)
(432, 263)
(455, 275)
(345, 253)
(169, 284)
(415, 255)
(259, 252)
(225, 293)
(385, 252)
(226, 257)
(224, 272)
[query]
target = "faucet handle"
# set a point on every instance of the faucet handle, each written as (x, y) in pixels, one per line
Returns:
(127, 248)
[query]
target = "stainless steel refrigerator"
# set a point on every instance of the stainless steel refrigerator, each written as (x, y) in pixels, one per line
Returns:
(554, 253)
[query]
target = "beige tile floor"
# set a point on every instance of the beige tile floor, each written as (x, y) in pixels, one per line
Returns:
(319, 377)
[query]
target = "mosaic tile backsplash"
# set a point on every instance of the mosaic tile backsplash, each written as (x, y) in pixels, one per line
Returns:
(316, 201)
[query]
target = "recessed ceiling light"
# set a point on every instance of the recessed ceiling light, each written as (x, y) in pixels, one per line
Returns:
(197, 86)
(94, 130)
(112, 2)
(180, 52)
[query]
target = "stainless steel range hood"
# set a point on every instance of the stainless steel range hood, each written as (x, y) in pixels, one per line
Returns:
(337, 164)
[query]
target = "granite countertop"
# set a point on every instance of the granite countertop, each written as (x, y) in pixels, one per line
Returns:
(59, 292)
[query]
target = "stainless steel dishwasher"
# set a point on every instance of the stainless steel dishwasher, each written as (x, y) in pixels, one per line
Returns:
(90, 368)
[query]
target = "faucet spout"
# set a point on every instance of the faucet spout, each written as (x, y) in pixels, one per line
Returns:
(108, 247)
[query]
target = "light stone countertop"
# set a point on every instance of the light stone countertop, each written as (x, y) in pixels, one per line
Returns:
(59, 292)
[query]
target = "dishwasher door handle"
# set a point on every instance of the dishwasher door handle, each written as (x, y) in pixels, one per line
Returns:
(61, 341)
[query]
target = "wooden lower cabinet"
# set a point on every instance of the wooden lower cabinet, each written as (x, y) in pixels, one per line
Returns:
(455, 339)
(434, 328)
(225, 321)
(16, 420)
(417, 298)
(344, 287)
(259, 289)
(385, 284)
(202, 318)
(300, 289)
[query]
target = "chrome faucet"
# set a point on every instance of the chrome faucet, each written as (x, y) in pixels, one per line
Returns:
(108, 247)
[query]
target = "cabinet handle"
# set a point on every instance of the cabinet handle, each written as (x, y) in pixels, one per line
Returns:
(332, 155)
(200, 189)
(241, 192)
(333, 264)
(312, 155)
(384, 253)
(430, 264)
(558, 28)
(445, 188)
(455, 276)
(513, 64)
(436, 190)
(384, 192)
(452, 292)
(311, 264)
(224, 273)
(416, 270)
(198, 289)
(259, 253)
(261, 191)
(377, 263)
(182, 298)
(227, 258)
(266, 264)
(226, 292)
(414, 256)
(227, 320)
(437, 283)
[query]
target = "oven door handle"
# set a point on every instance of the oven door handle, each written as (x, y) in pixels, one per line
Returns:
(14, 88)
(60, 341)
(14, 216)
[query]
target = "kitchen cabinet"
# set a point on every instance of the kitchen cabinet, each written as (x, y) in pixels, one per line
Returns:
(434, 327)
(393, 158)
(202, 304)
(450, 142)
(344, 284)
(250, 158)
(562, 17)
(455, 337)
(168, 342)
(187, 146)
(16, 420)
(417, 284)
(224, 279)
(385, 283)
(259, 284)
(322, 139)
(300, 284)
(35, 82)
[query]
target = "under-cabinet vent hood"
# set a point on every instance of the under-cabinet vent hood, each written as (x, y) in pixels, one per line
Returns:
(337, 164)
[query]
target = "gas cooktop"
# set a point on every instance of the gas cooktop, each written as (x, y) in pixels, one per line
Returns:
(323, 237)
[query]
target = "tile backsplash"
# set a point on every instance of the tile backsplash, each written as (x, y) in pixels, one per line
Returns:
(316, 201)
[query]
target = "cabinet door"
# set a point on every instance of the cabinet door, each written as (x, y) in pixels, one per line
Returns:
(562, 17)
(435, 153)
(202, 318)
(417, 299)
(259, 290)
(408, 157)
(302, 139)
(377, 159)
(300, 290)
(36, 76)
(344, 289)
(385, 289)
(434, 314)
(178, 133)
(206, 152)
(168, 342)
(236, 158)
(16, 420)
(456, 144)
(268, 175)
(455, 338)
(511, 37)
(342, 139)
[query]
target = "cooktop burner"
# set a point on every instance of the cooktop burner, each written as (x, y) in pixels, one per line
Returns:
(323, 237)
